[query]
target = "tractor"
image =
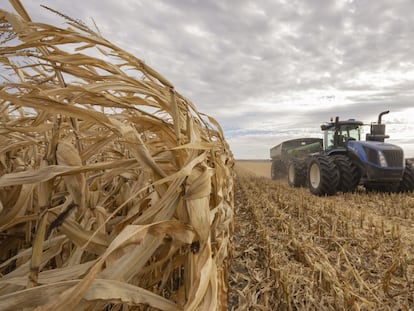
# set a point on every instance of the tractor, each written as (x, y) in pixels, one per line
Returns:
(347, 162)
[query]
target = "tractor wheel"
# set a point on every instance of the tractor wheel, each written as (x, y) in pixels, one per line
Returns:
(349, 174)
(407, 182)
(323, 175)
(297, 173)
(278, 170)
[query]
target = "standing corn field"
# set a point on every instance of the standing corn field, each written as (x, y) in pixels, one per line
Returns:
(115, 192)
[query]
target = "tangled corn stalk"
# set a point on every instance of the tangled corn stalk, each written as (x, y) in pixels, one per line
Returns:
(115, 192)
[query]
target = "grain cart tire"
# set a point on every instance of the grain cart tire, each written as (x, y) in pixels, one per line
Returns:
(323, 175)
(277, 170)
(297, 173)
(407, 182)
(349, 174)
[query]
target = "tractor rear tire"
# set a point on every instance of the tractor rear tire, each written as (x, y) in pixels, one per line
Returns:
(323, 175)
(407, 182)
(349, 174)
(296, 172)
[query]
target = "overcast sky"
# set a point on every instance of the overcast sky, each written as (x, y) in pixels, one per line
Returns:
(268, 70)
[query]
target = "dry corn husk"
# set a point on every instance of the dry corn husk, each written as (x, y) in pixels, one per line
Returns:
(115, 192)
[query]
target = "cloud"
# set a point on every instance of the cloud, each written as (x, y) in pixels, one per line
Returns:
(267, 69)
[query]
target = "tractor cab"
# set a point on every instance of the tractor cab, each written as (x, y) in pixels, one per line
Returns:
(338, 133)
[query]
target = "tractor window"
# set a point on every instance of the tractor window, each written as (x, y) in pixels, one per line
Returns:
(344, 134)
(351, 133)
(329, 141)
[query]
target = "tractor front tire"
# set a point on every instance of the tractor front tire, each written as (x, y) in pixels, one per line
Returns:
(349, 174)
(323, 175)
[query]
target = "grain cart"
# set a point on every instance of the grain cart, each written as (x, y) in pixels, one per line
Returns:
(288, 155)
(346, 161)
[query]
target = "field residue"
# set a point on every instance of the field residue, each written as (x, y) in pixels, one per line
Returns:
(296, 251)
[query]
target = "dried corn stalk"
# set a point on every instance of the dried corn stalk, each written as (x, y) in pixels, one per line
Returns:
(116, 194)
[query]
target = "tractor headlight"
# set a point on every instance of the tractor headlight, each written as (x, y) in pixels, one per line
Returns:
(382, 160)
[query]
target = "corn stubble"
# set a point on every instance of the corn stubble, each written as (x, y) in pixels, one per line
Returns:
(353, 251)
(115, 192)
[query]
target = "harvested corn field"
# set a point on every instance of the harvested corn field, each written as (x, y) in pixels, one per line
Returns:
(296, 251)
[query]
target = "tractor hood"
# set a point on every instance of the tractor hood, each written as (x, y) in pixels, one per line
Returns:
(371, 152)
(377, 145)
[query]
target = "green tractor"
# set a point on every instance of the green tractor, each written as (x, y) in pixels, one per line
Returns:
(345, 161)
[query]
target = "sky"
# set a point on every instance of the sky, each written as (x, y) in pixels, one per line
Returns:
(268, 70)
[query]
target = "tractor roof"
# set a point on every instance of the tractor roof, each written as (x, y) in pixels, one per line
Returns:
(351, 122)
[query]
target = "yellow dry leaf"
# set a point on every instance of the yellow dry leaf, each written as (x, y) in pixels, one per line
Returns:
(68, 155)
